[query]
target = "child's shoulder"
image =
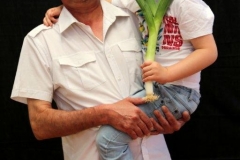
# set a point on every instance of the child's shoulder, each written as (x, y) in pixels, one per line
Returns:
(188, 5)
(180, 3)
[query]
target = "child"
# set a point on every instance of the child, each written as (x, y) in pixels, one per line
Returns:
(185, 47)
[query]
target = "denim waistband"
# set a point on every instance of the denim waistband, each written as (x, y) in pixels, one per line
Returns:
(193, 94)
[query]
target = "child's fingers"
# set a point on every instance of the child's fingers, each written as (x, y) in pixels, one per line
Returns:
(49, 22)
(45, 22)
(51, 16)
(146, 63)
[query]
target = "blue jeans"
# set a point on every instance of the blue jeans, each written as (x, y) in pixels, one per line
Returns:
(113, 144)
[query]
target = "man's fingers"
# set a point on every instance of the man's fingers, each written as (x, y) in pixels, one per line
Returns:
(171, 119)
(136, 101)
(168, 115)
(144, 129)
(157, 128)
(163, 122)
(147, 122)
(144, 125)
(132, 134)
(139, 131)
(186, 116)
(169, 123)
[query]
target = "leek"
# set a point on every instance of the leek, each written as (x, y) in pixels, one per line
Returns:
(153, 11)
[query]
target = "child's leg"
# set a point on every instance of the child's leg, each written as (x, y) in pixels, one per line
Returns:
(113, 144)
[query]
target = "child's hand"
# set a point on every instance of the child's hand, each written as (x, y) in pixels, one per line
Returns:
(153, 71)
(52, 15)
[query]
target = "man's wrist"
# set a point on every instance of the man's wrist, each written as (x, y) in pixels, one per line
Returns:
(103, 113)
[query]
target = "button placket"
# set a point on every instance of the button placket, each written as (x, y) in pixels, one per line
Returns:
(117, 74)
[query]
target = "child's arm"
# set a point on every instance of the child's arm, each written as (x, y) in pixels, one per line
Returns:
(204, 55)
(51, 15)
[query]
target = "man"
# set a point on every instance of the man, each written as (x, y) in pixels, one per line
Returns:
(88, 62)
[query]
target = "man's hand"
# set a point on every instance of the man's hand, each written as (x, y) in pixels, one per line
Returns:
(169, 124)
(128, 118)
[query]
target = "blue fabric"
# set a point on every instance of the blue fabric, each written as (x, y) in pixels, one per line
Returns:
(113, 144)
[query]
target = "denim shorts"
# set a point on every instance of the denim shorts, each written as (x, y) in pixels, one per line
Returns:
(176, 98)
(113, 144)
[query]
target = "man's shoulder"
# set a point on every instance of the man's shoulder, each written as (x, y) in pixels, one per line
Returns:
(34, 32)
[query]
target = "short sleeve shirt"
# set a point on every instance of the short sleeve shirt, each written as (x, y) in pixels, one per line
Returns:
(69, 64)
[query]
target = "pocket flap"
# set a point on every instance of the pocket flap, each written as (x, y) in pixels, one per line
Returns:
(77, 60)
(130, 45)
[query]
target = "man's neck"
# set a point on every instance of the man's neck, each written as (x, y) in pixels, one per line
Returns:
(88, 13)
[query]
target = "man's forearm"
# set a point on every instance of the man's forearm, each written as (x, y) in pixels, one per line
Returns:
(47, 122)
(123, 115)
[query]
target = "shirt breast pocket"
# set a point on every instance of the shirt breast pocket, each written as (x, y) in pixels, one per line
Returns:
(82, 71)
(131, 50)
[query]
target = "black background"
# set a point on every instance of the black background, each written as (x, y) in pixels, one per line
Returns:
(213, 132)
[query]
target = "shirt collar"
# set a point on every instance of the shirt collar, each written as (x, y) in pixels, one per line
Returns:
(110, 12)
